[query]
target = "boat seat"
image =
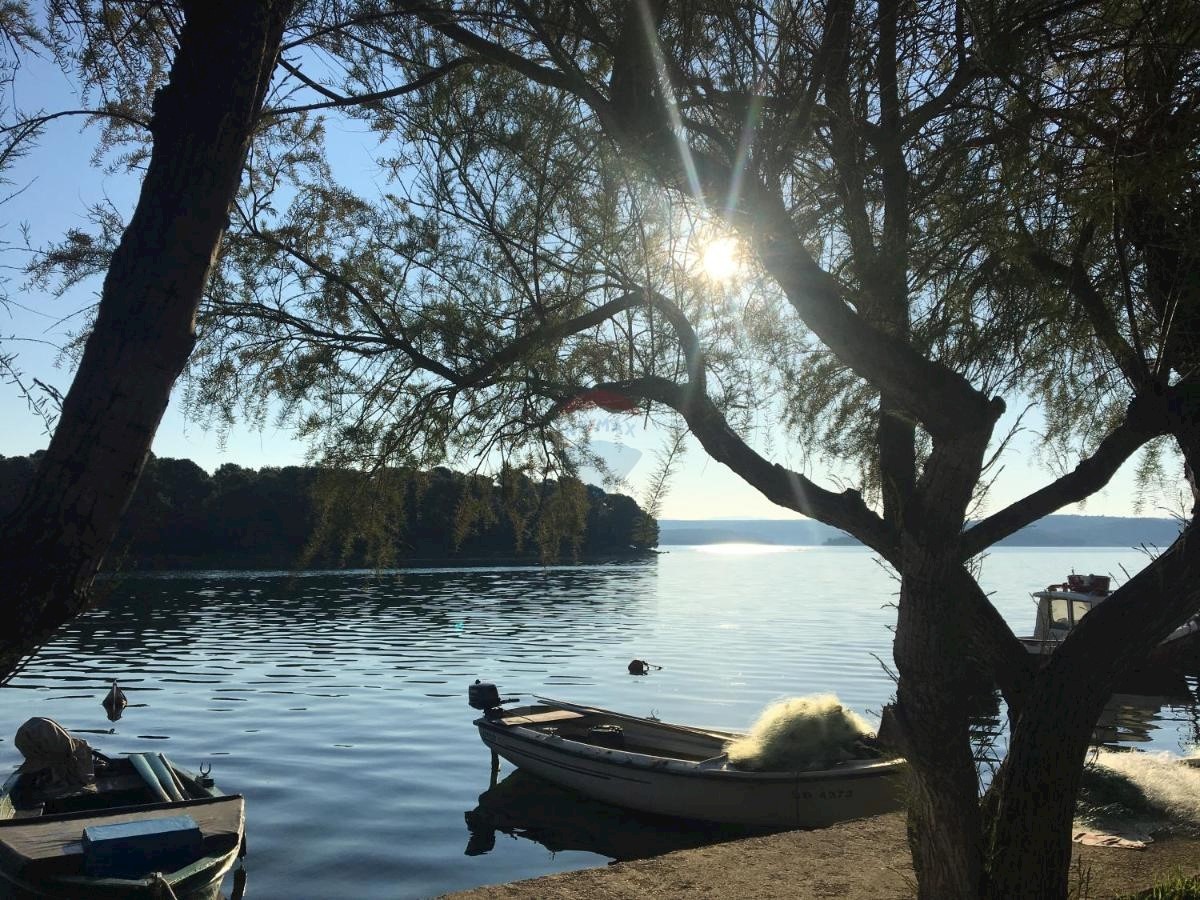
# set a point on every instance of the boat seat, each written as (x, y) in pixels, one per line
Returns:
(542, 718)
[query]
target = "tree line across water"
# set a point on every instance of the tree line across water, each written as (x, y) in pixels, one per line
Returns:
(306, 517)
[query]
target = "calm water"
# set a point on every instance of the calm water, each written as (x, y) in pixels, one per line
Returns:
(337, 702)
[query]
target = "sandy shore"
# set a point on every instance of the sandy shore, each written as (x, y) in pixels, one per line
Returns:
(864, 859)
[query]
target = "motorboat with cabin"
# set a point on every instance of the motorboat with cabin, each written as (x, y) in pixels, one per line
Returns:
(1060, 607)
(680, 770)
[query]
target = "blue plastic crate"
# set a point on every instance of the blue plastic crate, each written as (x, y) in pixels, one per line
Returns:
(134, 849)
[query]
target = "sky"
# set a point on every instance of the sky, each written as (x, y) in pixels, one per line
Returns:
(52, 189)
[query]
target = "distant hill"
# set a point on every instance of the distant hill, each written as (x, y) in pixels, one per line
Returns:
(1095, 531)
(1053, 531)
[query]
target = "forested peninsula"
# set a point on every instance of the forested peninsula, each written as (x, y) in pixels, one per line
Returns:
(313, 518)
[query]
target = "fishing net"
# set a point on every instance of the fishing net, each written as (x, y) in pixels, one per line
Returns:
(802, 733)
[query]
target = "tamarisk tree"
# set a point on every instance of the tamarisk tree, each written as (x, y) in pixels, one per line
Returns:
(943, 205)
(953, 201)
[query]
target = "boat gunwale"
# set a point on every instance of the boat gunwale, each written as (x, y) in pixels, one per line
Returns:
(666, 765)
(1055, 594)
(121, 810)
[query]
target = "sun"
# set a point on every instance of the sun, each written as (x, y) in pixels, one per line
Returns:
(720, 260)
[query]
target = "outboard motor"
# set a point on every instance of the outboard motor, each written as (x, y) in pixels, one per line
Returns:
(483, 695)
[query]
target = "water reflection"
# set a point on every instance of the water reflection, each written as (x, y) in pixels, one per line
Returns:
(341, 690)
(114, 703)
(402, 622)
(1130, 718)
(524, 806)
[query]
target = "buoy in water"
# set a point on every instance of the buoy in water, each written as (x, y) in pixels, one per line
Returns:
(114, 702)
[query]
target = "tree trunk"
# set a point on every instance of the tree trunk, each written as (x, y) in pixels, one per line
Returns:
(1032, 801)
(932, 713)
(203, 121)
(935, 630)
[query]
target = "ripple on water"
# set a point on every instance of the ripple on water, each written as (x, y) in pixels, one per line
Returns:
(340, 697)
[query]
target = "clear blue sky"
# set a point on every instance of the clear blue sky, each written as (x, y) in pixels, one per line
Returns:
(59, 183)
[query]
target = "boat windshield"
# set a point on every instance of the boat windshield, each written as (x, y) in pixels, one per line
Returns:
(1060, 613)
(1080, 609)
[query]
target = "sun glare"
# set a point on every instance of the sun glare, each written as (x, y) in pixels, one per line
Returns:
(720, 259)
(743, 548)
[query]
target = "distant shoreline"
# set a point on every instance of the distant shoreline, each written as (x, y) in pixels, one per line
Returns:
(856, 545)
(265, 564)
(1052, 531)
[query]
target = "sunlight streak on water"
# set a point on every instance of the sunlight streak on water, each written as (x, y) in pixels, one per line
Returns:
(735, 548)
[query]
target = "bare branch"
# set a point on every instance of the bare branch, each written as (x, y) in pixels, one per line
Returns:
(1087, 478)
(339, 101)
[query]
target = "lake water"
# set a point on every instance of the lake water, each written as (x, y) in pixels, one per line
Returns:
(336, 703)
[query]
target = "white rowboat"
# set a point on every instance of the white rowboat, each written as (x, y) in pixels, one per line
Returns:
(677, 770)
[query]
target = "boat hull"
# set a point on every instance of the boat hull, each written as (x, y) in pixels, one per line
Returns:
(1185, 636)
(200, 881)
(691, 790)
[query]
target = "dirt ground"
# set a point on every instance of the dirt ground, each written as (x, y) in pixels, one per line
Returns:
(864, 859)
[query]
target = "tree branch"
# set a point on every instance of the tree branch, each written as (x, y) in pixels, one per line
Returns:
(497, 53)
(1131, 623)
(337, 100)
(27, 127)
(1075, 279)
(552, 332)
(781, 486)
(1087, 478)
(924, 391)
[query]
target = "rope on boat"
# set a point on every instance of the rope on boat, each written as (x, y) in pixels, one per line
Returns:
(162, 887)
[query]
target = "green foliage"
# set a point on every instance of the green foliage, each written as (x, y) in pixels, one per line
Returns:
(519, 503)
(295, 517)
(358, 520)
(564, 517)
(445, 317)
(119, 55)
(1099, 180)
(19, 28)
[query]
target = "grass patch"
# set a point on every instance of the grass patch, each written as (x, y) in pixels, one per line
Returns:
(1174, 887)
